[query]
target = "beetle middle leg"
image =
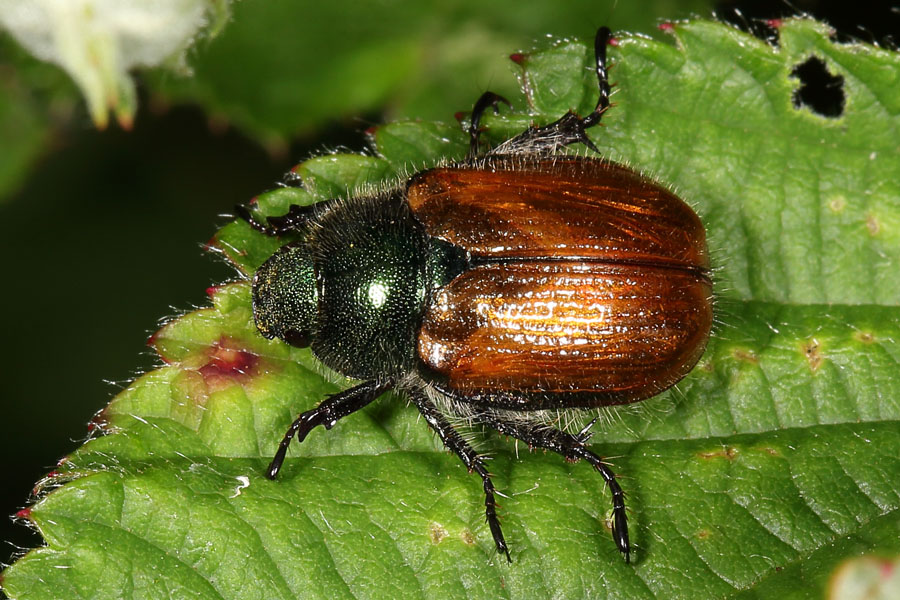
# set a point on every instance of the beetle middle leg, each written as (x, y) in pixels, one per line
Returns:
(453, 441)
(294, 220)
(572, 447)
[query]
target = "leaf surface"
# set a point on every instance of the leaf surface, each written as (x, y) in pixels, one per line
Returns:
(776, 459)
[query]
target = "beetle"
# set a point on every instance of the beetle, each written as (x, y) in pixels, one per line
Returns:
(513, 282)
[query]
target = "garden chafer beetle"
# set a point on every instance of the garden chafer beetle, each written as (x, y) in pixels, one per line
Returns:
(513, 282)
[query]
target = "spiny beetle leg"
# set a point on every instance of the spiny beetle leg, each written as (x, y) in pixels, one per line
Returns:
(570, 128)
(601, 40)
(244, 213)
(327, 413)
(571, 447)
(453, 441)
(487, 100)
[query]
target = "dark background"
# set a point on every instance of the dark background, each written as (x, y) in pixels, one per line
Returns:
(105, 239)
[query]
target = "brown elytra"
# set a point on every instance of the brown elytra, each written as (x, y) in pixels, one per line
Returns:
(590, 281)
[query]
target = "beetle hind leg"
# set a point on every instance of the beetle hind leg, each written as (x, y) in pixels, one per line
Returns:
(570, 128)
(487, 100)
(573, 448)
(473, 461)
(601, 40)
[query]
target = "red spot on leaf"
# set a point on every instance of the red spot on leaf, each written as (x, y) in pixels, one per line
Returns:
(213, 290)
(227, 363)
(613, 41)
(25, 513)
(667, 27)
(517, 58)
(774, 23)
(52, 474)
(371, 130)
(460, 115)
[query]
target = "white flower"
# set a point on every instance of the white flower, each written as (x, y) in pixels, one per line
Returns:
(98, 41)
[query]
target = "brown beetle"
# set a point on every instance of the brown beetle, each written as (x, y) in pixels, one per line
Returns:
(495, 288)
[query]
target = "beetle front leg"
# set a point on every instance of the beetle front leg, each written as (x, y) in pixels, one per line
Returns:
(327, 413)
(572, 447)
(453, 441)
(295, 219)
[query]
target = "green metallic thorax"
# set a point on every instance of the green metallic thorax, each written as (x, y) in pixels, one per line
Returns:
(355, 288)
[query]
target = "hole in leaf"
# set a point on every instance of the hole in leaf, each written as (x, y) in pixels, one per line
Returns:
(821, 91)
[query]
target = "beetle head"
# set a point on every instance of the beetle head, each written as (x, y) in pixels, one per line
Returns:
(285, 298)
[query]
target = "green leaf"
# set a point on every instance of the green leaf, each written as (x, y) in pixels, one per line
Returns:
(775, 460)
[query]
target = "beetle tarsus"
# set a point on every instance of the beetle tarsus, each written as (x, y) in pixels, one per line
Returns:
(601, 40)
(454, 442)
(327, 413)
(572, 448)
(585, 433)
(487, 100)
